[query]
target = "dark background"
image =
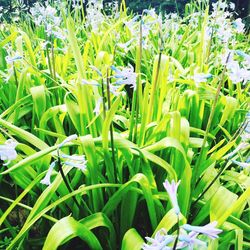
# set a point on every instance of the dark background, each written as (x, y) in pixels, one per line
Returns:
(242, 6)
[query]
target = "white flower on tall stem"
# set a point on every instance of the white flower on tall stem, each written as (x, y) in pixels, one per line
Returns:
(46, 180)
(77, 161)
(126, 76)
(220, 5)
(172, 193)
(241, 146)
(94, 17)
(246, 57)
(89, 82)
(126, 46)
(8, 152)
(238, 25)
(238, 74)
(201, 77)
(68, 139)
(98, 106)
(243, 165)
(131, 25)
(232, 6)
(209, 230)
(11, 59)
(159, 242)
(46, 16)
(190, 240)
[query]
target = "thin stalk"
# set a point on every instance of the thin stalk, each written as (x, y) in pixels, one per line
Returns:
(153, 91)
(15, 74)
(68, 185)
(210, 185)
(49, 62)
(237, 134)
(178, 233)
(138, 71)
(202, 155)
(53, 58)
(103, 100)
(111, 126)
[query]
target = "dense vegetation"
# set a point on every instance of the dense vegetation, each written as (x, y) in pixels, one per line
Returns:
(124, 131)
(242, 8)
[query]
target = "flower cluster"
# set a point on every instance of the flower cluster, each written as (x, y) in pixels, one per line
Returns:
(238, 72)
(12, 56)
(8, 152)
(94, 17)
(47, 17)
(188, 233)
(77, 161)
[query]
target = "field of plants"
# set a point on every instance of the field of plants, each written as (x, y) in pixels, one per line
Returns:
(124, 131)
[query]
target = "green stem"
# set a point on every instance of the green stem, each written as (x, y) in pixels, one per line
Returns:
(68, 185)
(111, 127)
(203, 154)
(138, 85)
(178, 233)
(103, 100)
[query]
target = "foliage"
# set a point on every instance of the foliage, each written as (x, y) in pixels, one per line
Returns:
(105, 109)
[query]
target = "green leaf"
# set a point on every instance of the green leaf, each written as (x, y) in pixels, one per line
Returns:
(132, 240)
(66, 229)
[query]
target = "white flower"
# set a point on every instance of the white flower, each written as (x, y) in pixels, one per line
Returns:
(47, 16)
(8, 152)
(242, 164)
(46, 179)
(219, 5)
(145, 29)
(172, 193)
(160, 242)
(126, 46)
(241, 146)
(114, 89)
(232, 5)
(190, 240)
(224, 34)
(76, 161)
(246, 57)
(238, 74)
(150, 12)
(98, 106)
(94, 17)
(227, 57)
(208, 229)
(68, 139)
(198, 78)
(96, 70)
(92, 83)
(238, 25)
(126, 76)
(245, 136)
(131, 23)
(10, 59)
